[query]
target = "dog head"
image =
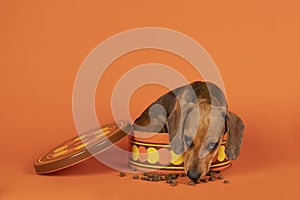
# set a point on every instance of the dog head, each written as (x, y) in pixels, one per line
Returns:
(196, 128)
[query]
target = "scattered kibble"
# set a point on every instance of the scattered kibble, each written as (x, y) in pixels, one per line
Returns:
(192, 183)
(135, 177)
(171, 178)
(122, 174)
(173, 183)
(210, 173)
(174, 176)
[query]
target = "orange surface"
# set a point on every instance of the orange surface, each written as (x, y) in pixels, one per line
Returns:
(255, 45)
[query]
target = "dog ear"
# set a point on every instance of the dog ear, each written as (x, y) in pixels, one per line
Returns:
(174, 129)
(183, 117)
(235, 131)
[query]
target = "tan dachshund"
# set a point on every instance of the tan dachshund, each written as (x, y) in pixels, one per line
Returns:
(196, 118)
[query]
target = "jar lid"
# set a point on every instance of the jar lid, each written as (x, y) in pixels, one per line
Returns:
(81, 148)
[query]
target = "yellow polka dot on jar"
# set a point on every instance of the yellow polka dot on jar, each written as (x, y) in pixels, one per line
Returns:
(176, 159)
(221, 153)
(153, 155)
(135, 152)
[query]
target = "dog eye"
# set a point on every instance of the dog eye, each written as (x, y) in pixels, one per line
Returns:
(211, 146)
(188, 141)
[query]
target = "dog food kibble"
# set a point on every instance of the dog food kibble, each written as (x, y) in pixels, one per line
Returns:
(173, 183)
(174, 176)
(192, 183)
(204, 180)
(210, 173)
(217, 171)
(199, 181)
(122, 174)
(171, 178)
(135, 177)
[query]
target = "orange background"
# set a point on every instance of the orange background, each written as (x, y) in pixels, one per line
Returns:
(43, 43)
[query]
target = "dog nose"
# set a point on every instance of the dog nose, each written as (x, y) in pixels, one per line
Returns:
(193, 175)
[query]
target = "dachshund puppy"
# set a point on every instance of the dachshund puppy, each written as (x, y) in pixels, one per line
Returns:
(196, 118)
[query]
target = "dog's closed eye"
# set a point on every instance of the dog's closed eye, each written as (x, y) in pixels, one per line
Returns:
(188, 141)
(212, 146)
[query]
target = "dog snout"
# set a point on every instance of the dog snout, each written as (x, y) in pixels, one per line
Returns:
(193, 175)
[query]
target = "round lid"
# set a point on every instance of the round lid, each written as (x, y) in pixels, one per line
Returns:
(82, 147)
